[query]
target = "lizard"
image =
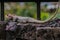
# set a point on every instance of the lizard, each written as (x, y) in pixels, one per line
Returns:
(28, 19)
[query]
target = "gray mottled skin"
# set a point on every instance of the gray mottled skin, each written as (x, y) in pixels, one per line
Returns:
(29, 19)
(25, 19)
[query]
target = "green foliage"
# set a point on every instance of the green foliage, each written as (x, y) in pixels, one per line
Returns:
(45, 5)
(58, 15)
(28, 10)
(44, 15)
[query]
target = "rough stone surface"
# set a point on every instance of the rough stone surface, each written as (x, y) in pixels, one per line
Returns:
(31, 31)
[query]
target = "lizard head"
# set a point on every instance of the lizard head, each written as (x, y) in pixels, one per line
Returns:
(9, 16)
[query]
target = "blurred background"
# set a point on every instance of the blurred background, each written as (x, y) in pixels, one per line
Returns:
(47, 9)
(26, 9)
(29, 9)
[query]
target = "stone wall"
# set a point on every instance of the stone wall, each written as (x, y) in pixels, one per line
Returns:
(29, 31)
